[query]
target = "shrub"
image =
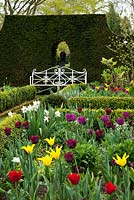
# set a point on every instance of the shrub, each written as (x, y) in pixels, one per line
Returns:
(15, 96)
(55, 100)
(10, 123)
(87, 156)
(102, 102)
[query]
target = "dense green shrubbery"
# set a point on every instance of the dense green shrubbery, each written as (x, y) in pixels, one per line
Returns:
(16, 96)
(102, 102)
(10, 123)
(55, 100)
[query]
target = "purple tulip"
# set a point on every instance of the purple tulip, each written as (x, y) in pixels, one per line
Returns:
(120, 121)
(89, 131)
(70, 117)
(81, 120)
(126, 115)
(105, 118)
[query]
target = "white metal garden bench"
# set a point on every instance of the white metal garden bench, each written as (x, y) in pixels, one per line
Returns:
(57, 76)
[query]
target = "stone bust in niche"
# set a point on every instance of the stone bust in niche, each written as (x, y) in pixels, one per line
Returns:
(62, 60)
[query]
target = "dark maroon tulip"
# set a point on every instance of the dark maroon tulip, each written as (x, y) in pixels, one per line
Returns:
(34, 139)
(99, 133)
(71, 143)
(69, 156)
(26, 125)
(7, 131)
(79, 109)
(108, 111)
(18, 124)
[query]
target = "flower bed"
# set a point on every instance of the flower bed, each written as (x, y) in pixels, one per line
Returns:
(74, 155)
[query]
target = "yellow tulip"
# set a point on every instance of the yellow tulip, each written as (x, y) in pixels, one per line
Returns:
(55, 154)
(121, 161)
(50, 141)
(28, 148)
(47, 160)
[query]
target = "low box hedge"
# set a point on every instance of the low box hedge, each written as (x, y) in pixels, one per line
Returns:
(102, 102)
(16, 96)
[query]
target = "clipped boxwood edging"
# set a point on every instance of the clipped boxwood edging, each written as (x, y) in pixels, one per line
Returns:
(16, 96)
(99, 112)
(102, 102)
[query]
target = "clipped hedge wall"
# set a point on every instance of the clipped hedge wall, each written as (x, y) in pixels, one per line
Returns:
(16, 96)
(9, 122)
(102, 102)
(98, 112)
(29, 42)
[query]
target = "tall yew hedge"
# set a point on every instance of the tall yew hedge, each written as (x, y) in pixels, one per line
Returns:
(28, 42)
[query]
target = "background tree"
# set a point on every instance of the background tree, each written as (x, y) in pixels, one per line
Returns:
(60, 7)
(18, 7)
(122, 42)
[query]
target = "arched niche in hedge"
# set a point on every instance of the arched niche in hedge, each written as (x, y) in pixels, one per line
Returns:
(28, 42)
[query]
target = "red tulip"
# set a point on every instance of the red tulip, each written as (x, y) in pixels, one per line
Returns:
(14, 175)
(110, 188)
(74, 178)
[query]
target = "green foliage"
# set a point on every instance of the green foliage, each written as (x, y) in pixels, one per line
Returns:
(102, 102)
(115, 75)
(87, 156)
(60, 7)
(33, 43)
(16, 96)
(113, 19)
(15, 134)
(54, 100)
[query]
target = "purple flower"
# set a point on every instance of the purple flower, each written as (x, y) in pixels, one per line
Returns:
(113, 162)
(18, 124)
(34, 139)
(81, 120)
(108, 111)
(70, 117)
(105, 118)
(102, 87)
(7, 130)
(126, 115)
(79, 109)
(71, 143)
(69, 156)
(26, 125)
(120, 121)
(131, 164)
(90, 131)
